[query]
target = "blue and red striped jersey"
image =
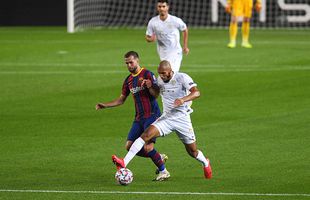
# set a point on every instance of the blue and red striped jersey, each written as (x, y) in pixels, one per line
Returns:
(145, 104)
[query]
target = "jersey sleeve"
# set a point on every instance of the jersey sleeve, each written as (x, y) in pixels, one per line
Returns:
(125, 88)
(181, 24)
(150, 75)
(188, 82)
(149, 29)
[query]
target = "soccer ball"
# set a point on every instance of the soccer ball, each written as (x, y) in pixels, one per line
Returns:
(124, 176)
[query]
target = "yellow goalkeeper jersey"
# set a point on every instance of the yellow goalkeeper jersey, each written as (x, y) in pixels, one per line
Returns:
(242, 8)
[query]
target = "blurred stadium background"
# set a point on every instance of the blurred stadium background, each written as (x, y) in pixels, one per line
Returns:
(252, 118)
(120, 13)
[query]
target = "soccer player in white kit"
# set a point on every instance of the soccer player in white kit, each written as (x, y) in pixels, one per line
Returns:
(177, 91)
(166, 28)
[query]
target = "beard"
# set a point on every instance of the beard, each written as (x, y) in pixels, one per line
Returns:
(133, 70)
(168, 78)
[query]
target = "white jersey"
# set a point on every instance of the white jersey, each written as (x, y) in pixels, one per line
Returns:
(167, 34)
(177, 87)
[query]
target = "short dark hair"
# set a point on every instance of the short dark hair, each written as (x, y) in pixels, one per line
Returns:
(131, 53)
(163, 1)
(164, 63)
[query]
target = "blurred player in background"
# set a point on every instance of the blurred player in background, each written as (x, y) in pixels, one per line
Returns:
(177, 91)
(165, 29)
(147, 110)
(241, 8)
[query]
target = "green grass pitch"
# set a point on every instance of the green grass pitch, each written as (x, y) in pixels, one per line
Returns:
(252, 119)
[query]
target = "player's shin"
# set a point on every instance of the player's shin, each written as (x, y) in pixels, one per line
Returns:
(134, 149)
(245, 32)
(157, 159)
(201, 158)
(233, 30)
(206, 165)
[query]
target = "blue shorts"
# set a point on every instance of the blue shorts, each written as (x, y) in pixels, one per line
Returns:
(138, 127)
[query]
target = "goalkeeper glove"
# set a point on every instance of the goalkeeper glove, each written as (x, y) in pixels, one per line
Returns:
(258, 7)
(228, 8)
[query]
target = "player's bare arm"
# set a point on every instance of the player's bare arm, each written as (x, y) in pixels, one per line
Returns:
(150, 38)
(194, 93)
(116, 102)
(153, 88)
(185, 42)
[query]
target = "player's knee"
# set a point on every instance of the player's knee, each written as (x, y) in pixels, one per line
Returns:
(148, 147)
(146, 136)
(246, 19)
(149, 134)
(233, 20)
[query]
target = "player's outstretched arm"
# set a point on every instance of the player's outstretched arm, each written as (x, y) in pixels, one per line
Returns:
(116, 102)
(194, 93)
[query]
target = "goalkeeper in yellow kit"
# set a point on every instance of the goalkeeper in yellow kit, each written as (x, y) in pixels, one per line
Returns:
(241, 8)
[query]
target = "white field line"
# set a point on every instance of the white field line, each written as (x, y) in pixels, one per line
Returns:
(125, 72)
(273, 31)
(153, 193)
(266, 42)
(56, 64)
(60, 72)
(188, 68)
(8, 64)
(44, 42)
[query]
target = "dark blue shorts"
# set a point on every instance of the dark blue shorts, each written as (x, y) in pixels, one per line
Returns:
(138, 127)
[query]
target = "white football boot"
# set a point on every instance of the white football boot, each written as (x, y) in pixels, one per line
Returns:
(162, 175)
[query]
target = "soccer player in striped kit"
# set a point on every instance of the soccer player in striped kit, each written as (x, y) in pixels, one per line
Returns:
(177, 91)
(146, 106)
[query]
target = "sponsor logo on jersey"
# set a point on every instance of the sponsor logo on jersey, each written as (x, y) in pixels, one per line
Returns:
(136, 89)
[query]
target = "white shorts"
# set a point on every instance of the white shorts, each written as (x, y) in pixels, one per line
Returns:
(174, 59)
(182, 125)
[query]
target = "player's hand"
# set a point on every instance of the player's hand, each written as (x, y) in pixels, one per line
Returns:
(147, 83)
(186, 50)
(228, 8)
(154, 37)
(178, 102)
(258, 7)
(100, 106)
(150, 38)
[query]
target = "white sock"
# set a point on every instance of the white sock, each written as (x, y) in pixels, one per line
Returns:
(164, 171)
(134, 149)
(201, 158)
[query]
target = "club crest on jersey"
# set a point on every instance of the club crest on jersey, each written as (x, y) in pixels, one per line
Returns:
(173, 82)
(140, 79)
